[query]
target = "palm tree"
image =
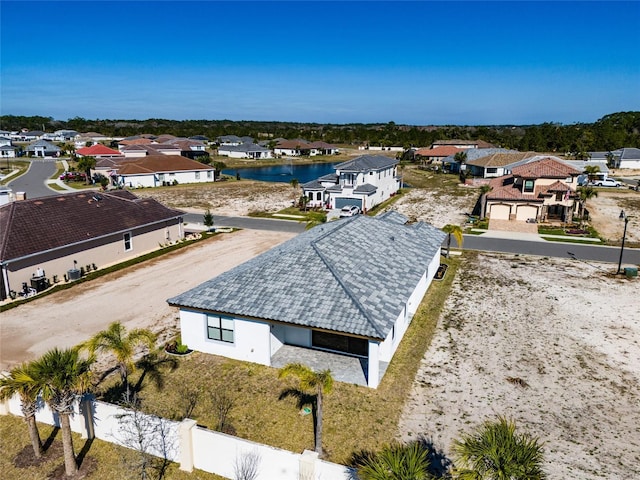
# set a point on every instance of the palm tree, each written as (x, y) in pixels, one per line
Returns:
(321, 382)
(496, 452)
(456, 231)
(460, 158)
(20, 381)
(584, 194)
(591, 171)
(396, 462)
(116, 340)
(86, 164)
(63, 376)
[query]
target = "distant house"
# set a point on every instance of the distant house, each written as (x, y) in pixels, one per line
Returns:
(365, 182)
(323, 148)
(25, 136)
(293, 148)
(7, 150)
(462, 144)
(629, 158)
(490, 163)
(436, 154)
(543, 189)
(98, 151)
(189, 148)
(245, 150)
(158, 170)
(350, 287)
(90, 229)
(42, 148)
(229, 140)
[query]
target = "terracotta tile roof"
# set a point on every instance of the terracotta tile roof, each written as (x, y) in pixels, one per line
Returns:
(160, 164)
(504, 188)
(501, 159)
(443, 151)
(97, 149)
(545, 168)
(33, 226)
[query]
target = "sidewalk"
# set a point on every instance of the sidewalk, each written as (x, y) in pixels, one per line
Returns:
(530, 237)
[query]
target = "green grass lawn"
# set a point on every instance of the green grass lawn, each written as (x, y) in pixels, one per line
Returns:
(355, 417)
(112, 461)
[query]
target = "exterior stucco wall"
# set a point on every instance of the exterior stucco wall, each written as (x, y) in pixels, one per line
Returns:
(251, 338)
(101, 252)
(155, 180)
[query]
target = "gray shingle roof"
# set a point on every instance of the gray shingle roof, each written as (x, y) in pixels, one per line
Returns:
(351, 276)
(366, 163)
(365, 188)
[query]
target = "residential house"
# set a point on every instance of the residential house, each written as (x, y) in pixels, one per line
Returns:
(98, 151)
(61, 136)
(494, 162)
(229, 140)
(294, 148)
(323, 148)
(27, 136)
(158, 170)
(436, 154)
(350, 286)
(7, 150)
(189, 148)
(462, 144)
(49, 236)
(245, 150)
(543, 189)
(365, 182)
(629, 158)
(43, 148)
(6, 195)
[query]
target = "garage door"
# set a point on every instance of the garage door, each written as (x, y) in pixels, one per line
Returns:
(499, 212)
(526, 211)
(343, 202)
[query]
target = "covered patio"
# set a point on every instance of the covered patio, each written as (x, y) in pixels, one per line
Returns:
(344, 368)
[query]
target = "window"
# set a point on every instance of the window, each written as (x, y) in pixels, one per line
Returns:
(319, 196)
(128, 246)
(209, 175)
(161, 177)
(197, 175)
(220, 328)
(492, 170)
(528, 186)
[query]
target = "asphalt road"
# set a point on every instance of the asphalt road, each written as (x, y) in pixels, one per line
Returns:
(33, 182)
(582, 252)
(250, 223)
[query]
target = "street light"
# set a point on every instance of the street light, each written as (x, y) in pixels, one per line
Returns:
(624, 217)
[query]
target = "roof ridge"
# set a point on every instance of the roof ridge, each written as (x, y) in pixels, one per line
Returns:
(346, 288)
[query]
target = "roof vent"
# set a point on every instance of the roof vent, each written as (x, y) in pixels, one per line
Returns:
(393, 238)
(97, 197)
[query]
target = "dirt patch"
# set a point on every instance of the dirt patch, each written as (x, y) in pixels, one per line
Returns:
(552, 344)
(604, 211)
(85, 469)
(138, 298)
(26, 459)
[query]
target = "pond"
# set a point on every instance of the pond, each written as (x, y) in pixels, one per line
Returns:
(283, 173)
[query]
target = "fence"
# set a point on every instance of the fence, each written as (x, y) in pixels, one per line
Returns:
(187, 443)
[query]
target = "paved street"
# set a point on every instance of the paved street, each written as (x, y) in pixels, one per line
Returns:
(33, 182)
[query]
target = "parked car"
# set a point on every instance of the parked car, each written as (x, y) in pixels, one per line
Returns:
(73, 177)
(606, 182)
(349, 211)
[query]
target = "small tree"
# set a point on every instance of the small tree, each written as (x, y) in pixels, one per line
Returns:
(222, 405)
(396, 462)
(63, 376)
(456, 231)
(85, 164)
(247, 466)
(592, 171)
(207, 219)
(494, 451)
(584, 194)
(117, 341)
(20, 381)
(320, 382)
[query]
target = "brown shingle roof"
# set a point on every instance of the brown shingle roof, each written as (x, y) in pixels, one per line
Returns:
(33, 226)
(443, 151)
(160, 163)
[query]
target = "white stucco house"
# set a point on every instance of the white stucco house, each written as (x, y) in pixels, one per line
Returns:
(159, 170)
(350, 287)
(245, 150)
(364, 182)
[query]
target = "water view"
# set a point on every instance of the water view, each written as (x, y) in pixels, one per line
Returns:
(283, 173)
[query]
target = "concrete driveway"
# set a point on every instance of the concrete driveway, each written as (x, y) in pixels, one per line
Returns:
(135, 296)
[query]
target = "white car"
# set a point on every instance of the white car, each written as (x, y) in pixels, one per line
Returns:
(349, 211)
(606, 182)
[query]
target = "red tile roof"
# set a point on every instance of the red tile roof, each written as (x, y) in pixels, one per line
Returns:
(439, 151)
(545, 168)
(97, 149)
(41, 224)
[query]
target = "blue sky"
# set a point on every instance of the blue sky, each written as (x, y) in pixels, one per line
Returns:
(418, 62)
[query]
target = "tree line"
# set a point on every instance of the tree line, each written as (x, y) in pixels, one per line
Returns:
(610, 132)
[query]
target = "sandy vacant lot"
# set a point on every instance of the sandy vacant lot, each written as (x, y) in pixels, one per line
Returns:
(135, 296)
(553, 344)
